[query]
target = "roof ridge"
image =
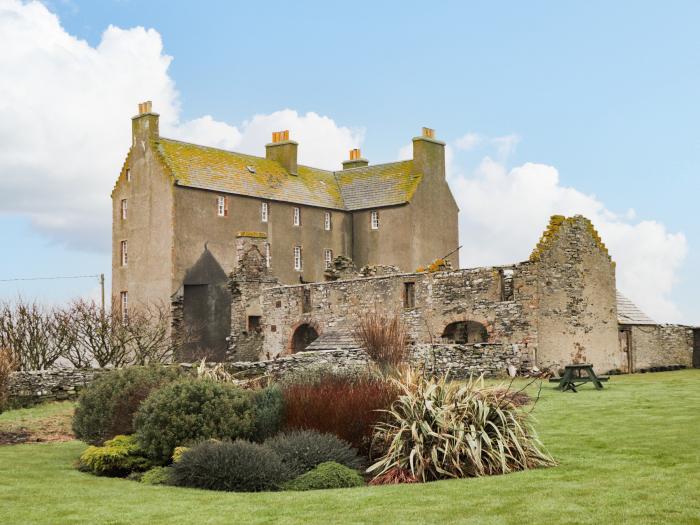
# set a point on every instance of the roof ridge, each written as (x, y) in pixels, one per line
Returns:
(369, 166)
(217, 149)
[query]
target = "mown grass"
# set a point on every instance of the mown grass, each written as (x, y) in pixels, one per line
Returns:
(627, 454)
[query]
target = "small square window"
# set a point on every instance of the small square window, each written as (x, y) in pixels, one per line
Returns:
(327, 221)
(297, 216)
(374, 220)
(221, 206)
(254, 324)
(264, 210)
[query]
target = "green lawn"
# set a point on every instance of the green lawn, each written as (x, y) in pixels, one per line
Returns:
(627, 454)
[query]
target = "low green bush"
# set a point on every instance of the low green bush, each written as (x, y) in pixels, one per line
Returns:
(239, 466)
(302, 450)
(192, 410)
(269, 411)
(119, 457)
(157, 476)
(328, 475)
(107, 406)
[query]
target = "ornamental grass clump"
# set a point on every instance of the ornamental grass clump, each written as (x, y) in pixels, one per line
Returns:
(384, 338)
(438, 429)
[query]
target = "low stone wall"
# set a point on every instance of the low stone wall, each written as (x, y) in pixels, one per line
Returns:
(661, 345)
(55, 384)
(458, 360)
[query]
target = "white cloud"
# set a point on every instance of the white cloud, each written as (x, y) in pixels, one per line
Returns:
(504, 145)
(65, 128)
(468, 142)
(503, 213)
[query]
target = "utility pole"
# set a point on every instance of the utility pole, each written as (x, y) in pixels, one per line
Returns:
(102, 287)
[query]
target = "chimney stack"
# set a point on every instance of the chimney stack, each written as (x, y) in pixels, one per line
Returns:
(283, 150)
(356, 160)
(144, 126)
(429, 154)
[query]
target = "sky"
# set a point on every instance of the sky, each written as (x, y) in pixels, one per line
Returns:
(546, 108)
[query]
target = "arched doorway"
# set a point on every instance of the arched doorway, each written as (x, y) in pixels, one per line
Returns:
(303, 336)
(462, 332)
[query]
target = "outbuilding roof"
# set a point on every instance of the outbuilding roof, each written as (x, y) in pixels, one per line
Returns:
(225, 171)
(629, 313)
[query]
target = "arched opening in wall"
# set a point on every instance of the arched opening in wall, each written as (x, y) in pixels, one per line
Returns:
(303, 336)
(462, 332)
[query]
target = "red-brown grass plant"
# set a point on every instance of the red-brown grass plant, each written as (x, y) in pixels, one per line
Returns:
(394, 476)
(347, 406)
(384, 338)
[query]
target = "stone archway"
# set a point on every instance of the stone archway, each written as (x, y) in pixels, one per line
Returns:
(463, 332)
(303, 336)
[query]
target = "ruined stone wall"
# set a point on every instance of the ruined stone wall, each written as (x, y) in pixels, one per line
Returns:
(577, 306)
(661, 345)
(440, 299)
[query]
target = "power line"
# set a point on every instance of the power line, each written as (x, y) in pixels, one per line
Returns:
(50, 278)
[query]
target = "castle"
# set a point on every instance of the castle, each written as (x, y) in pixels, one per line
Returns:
(259, 255)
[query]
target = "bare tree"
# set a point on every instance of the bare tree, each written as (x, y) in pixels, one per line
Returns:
(149, 334)
(7, 366)
(101, 333)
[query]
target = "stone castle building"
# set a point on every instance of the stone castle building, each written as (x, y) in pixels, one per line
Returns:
(258, 258)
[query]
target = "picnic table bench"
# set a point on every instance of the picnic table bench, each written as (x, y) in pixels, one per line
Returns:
(573, 377)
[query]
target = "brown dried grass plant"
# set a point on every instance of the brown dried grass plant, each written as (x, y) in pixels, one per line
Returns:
(384, 338)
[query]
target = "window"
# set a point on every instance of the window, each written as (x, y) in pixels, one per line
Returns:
(328, 258)
(123, 253)
(327, 221)
(263, 212)
(254, 322)
(128, 175)
(268, 257)
(124, 304)
(221, 207)
(374, 220)
(297, 258)
(123, 209)
(297, 216)
(306, 300)
(409, 295)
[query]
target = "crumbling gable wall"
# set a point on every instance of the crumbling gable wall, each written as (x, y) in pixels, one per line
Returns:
(576, 310)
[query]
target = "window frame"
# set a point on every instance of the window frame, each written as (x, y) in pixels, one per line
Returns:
(298, 260)
(327, 221)
(221, 206)
(124, 304)
(264, 211)
(268, 256)
(409, 294)
(128, 175)
(296, 216)
(327, 258)
(124, 209)
(124, 252)
(374, 220)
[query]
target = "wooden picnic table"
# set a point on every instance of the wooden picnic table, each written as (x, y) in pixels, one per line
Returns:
(574, 377)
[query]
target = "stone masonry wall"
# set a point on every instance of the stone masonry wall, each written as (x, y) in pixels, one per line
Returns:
(56, 384)
(661, 345)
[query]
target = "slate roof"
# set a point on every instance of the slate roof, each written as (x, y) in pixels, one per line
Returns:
(629, 313)
(215, 169)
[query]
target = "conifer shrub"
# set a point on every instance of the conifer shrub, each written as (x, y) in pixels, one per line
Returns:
(157, 476)
(328, 475)
(118, 457)
(107, 406)
(345, 405)
(239, 466)
(193, 410)
(303, 450)
(269, 410)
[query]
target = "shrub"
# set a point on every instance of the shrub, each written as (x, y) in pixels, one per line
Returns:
(268, 405)
(238, 466)
(107, 406)
(118, 457)
(7, 366)
(303, 450)
(193, 410)
(178, 452)
(346, 406)
(328, 475)
(157, 476)
(384, 338)
(441, 430)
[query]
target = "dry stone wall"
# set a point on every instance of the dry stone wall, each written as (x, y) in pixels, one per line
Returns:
(661, 345)
(56, 384)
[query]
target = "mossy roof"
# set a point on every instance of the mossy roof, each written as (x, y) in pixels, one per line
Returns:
(228, 172)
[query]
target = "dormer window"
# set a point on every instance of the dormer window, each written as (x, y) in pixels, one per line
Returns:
(374, 220)
(264, 210)
(296, 220)
(221, 206)
(123, 209)
(327, 221)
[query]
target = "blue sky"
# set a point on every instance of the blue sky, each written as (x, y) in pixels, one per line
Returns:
(605, 94)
